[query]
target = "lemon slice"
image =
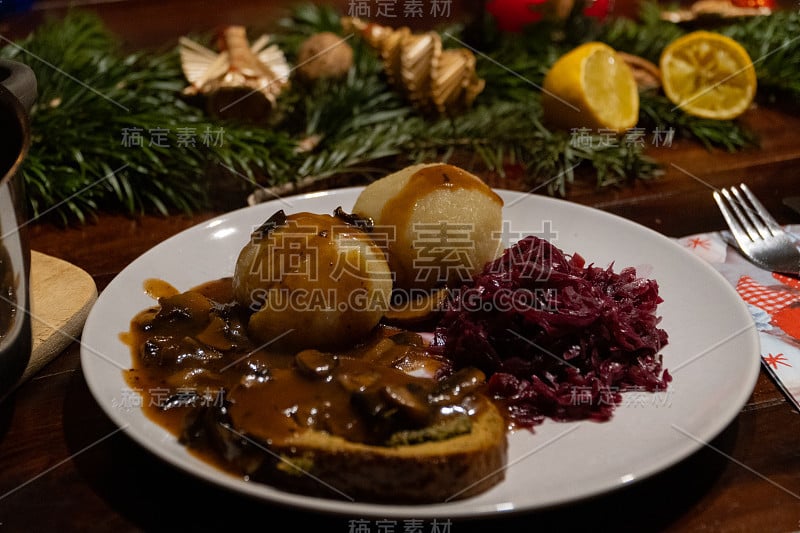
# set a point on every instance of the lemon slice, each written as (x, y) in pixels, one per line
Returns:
(708, 75)
(590, 87)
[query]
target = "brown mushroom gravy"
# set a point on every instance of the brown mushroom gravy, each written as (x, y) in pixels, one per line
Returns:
(200, 375)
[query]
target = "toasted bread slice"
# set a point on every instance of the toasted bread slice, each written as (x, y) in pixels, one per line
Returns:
(317, 463)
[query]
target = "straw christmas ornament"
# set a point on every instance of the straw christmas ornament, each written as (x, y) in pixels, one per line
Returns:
(433, 79)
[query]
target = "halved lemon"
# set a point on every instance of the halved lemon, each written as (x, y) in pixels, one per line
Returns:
(590, 87)
(708, 75)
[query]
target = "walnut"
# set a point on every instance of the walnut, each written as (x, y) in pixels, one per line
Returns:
(324, 55)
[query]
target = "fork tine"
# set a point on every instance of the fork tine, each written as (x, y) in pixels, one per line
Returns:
(773, 225)
(751, 212)
(747, 221)
(737, 230)
(744, 223)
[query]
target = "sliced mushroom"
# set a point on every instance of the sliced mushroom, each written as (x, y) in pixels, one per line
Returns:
(316, 364)
(412, 405)
(461, 383)
(357, 381)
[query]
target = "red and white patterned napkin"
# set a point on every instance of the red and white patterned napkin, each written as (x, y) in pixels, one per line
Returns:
(773, 300)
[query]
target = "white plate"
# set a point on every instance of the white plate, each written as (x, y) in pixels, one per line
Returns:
(713, 355)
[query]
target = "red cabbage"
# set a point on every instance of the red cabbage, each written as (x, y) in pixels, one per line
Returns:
(557, 338)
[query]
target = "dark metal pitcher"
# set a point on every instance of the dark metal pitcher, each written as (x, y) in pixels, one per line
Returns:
(17, 94)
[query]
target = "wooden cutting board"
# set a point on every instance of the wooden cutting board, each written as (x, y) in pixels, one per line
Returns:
(61, 297)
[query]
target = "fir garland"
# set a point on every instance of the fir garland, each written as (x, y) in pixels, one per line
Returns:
(111, 131)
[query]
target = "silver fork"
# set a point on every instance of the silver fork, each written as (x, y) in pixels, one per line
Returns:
(759, 237)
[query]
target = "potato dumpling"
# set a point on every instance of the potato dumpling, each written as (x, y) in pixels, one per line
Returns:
(312, 281)
(439, 224)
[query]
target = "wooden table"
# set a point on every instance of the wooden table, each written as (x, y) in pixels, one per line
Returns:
(66, 467)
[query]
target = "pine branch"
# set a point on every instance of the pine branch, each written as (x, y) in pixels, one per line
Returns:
(774, 47)
(124, 139)
(645, 37)
(110, 131)
(656, 112)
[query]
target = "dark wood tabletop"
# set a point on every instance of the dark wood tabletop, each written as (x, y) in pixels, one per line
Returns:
(66, 467)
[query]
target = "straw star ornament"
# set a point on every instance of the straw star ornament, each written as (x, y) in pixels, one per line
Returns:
(242, 81)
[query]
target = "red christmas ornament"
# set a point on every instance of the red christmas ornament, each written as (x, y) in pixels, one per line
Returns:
(514, 15)
(598, 8)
